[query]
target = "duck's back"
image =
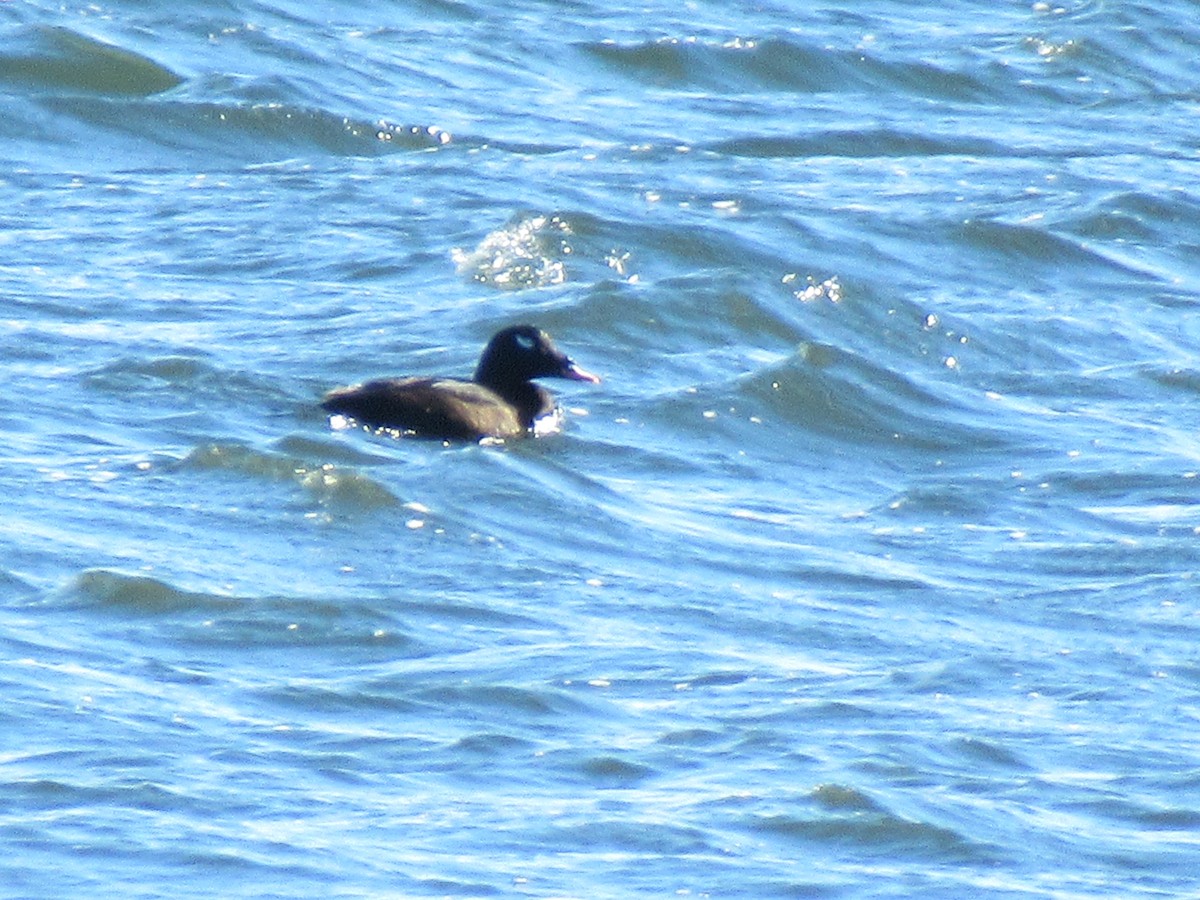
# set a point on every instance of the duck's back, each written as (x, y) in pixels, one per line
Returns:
(434, 407)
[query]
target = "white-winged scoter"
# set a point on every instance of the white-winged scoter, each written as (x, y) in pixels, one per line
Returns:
(499, 402)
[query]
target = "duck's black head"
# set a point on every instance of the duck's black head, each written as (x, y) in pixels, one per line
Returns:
(517, 354)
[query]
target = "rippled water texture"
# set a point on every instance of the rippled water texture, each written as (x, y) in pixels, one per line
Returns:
(868, 570)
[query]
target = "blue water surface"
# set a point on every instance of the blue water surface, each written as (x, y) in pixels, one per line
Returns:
(869, 570)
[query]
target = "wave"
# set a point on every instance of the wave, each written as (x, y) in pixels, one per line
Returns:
(861, 143)
(143, 593)
(835, 392)
(326, 482)
(780, 64)
(1141, 219)
(76, 79)
(355, 624)
(528, 251)
(247, 131)
(879, 833)
(1034, 248)
(192, 394)
(56, 59)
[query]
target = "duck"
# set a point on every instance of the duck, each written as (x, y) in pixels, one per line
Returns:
(499, 402)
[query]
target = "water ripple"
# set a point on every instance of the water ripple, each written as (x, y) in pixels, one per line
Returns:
(56, 58)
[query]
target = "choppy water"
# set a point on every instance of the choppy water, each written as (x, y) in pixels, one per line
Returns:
(869, 570)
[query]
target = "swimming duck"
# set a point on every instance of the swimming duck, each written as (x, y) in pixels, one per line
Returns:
(500, 401)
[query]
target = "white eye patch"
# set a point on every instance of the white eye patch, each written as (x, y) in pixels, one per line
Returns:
(524, 341)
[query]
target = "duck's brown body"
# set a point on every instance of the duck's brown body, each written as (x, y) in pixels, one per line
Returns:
(448, 408)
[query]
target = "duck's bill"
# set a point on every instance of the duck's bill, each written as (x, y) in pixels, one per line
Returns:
(575, 373)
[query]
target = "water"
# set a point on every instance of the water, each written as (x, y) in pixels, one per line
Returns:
(869, 570)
